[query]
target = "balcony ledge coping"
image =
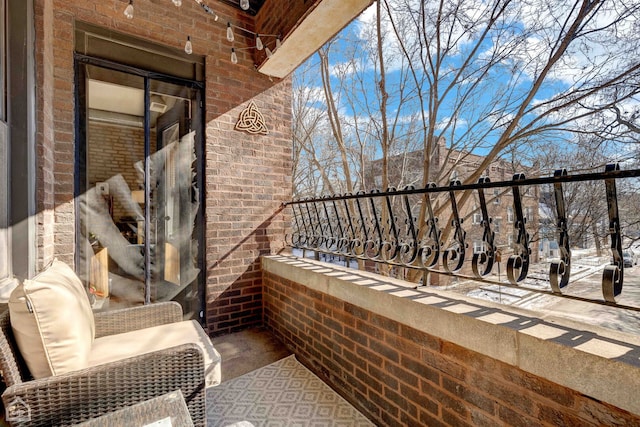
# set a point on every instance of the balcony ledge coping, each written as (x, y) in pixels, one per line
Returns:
(598, 362)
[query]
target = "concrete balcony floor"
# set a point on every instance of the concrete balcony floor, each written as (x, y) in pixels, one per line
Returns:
(245, 351)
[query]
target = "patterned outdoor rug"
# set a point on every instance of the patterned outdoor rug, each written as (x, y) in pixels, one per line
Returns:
(284, 393)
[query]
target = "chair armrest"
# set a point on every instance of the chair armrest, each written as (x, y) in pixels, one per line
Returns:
(139, 317)
(88, 393)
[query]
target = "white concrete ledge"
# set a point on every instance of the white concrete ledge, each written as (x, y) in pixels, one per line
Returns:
(598, 362)
(314, 30)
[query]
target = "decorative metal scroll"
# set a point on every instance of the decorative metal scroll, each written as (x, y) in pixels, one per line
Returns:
(560, 270)
(612, 276)
(518, 263)
(456, 252)
(487, 256)
(431, 249)
(383, 227)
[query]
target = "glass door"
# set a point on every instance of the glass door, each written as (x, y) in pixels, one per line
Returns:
(138, 192)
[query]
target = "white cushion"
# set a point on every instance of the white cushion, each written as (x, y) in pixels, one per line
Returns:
(121, 346)
(52, 321)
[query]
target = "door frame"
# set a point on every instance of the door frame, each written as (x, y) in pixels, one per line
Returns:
(80, 184)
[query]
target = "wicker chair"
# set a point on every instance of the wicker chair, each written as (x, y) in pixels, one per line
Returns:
(88, 393)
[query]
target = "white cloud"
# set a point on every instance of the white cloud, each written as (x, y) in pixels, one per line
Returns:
(449, 122)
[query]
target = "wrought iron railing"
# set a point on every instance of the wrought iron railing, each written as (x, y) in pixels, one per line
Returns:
(402, 227)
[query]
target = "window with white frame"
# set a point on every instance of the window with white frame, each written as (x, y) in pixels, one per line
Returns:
(477, 216)
(478, 246)
(509, 214)
(496, 196)
(510, 240)
(528, 213)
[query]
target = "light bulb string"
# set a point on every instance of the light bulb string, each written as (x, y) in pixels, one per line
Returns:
(210, 11)
(260, 43)
(250, 47)
(253, 33)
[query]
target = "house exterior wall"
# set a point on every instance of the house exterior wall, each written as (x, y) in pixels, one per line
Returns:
(45, 195)
(247, 177)
(407, 359)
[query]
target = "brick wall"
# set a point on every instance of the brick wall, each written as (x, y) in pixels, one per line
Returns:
(397, 375)
(246, 177)
(244, 216)
(43, 21)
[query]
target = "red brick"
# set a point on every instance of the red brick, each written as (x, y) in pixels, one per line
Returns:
(559, 417)
(421, 369)
(515, 419)
(444, 365)
(552, 391)
(507, 393)
(469, 394)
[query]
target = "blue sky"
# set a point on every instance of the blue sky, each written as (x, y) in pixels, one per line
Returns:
(530, 41)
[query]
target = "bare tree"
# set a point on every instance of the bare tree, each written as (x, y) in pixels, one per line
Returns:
(492, 78)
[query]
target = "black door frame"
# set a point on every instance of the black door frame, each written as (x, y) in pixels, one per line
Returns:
(80, 184)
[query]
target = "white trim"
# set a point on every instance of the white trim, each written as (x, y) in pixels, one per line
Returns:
(310, 33)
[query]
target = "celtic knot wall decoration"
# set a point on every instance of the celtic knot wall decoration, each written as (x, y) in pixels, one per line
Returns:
(252, 121)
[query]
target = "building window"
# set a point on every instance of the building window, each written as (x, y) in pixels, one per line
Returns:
(496, 196)
(528, 214)
(497, 222)
(510, 240)
(477, 216)
(478, 246)
(509, 214)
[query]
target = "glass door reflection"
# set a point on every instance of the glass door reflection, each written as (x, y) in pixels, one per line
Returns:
(139, 199)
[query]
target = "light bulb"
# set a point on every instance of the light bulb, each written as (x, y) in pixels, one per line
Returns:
(259, 44)
(128, 11)
(244, 4)
(230, 36)
(234, 57)
(188, 48)
(278, 43)
(268, 52)
(178, 3)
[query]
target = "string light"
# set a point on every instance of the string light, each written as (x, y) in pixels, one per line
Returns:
(230, 36)
(208, 10)
(128, 11)
(245, 5)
